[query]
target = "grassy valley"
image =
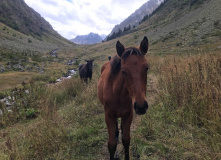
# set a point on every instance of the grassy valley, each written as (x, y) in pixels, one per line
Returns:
(65, 120)
(22, 54)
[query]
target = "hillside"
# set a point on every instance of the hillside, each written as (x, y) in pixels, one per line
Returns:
(180, 26)
(186, 23)
(26, 44)
(17, 15)
(24, 30)
(91, 38)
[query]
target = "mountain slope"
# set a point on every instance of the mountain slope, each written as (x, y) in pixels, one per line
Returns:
(185, 22)
(175, 27)
(134, 19)
(24, 30)
(17, 15)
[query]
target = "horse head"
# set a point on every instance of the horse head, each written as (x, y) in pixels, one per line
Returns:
(134, 68)
(89, 64)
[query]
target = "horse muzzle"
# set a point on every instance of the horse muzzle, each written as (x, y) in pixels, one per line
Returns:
(140, 109)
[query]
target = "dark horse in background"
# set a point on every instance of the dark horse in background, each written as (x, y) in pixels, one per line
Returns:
(122, 87)
(85, 70)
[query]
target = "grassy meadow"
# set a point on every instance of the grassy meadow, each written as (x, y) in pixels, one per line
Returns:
(66, 120)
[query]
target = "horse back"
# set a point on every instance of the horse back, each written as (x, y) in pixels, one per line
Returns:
(81, 66)
(82, 71)
(105, 65)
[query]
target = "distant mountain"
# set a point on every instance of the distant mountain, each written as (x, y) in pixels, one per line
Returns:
(91, 38)
(134, 19)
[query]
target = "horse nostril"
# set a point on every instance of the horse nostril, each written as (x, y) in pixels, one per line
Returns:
(146, 104)
(135, 106)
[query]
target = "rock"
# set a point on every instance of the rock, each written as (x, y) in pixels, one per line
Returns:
(28, 68)
(41, 70)
(9, 67)
(2, 69)
(71, 62)
(18, 67)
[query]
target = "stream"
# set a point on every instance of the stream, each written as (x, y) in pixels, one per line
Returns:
(9, 101)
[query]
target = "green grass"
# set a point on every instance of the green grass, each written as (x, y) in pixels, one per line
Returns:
(163, 135)
(69, 123)
(69, 119)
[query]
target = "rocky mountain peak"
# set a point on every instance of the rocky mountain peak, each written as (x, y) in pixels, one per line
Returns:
(90, 38)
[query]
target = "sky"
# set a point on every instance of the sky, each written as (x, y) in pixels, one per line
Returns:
(80, 17)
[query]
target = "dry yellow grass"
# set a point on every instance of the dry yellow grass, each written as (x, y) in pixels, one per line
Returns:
(13, 79)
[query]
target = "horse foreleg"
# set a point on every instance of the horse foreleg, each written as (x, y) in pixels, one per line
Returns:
(85, 79)
(126, 123)
(117, 132)
(112, 143)
(121, 127)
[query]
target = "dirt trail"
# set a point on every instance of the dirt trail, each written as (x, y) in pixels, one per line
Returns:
(152, 92)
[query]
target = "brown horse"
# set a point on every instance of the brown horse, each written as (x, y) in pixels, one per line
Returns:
(122, 87)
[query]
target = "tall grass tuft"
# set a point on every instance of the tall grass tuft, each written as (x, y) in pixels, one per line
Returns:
(194, 88)
(25, 104)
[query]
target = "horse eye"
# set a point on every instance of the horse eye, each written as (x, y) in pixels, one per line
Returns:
(146, 69)
(124, 73)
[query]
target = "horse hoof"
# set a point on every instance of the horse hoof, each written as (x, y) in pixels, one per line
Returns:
(116, 157)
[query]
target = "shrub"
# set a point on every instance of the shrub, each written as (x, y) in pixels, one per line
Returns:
(4, 28)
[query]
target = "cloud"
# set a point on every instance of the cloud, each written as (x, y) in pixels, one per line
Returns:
(79, 17)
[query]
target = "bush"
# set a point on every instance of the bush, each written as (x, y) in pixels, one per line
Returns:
(2, 95)
(4, 28)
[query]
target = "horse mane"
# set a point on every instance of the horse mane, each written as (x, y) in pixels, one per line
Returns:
(115, 63)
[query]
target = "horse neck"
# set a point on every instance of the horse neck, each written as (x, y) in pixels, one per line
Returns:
(118, 82)
(87, 66)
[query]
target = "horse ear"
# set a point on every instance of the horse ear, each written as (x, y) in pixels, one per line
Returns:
(120, 48)
(144, 45)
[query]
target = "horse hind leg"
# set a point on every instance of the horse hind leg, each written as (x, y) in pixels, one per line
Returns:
(85, 80)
